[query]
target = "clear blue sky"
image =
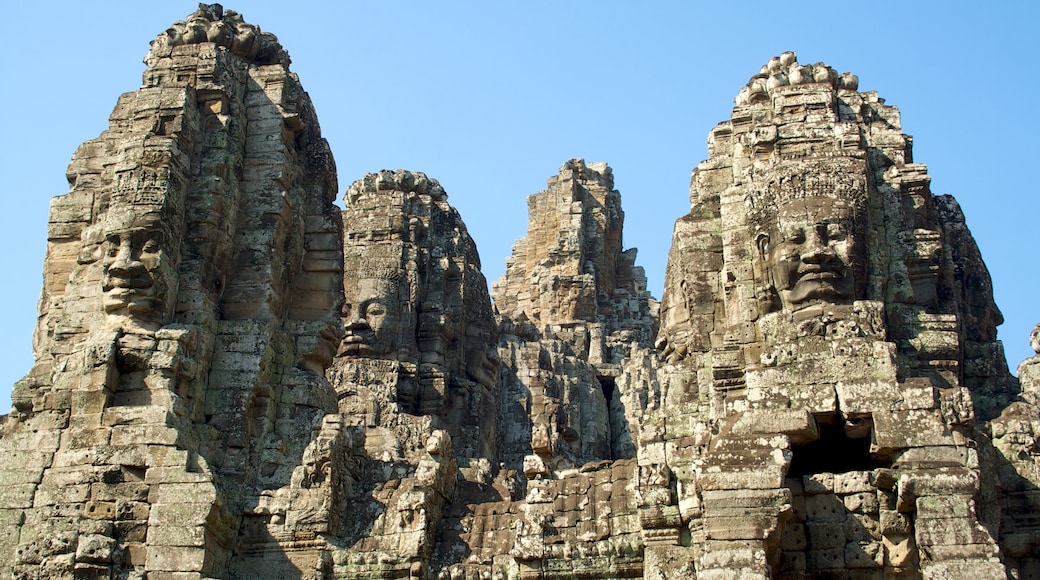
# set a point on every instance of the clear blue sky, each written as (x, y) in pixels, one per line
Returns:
(491, 98)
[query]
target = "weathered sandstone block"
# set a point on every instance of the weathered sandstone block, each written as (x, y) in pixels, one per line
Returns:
(236, 379)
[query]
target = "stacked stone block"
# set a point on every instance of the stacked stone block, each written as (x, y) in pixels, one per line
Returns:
(231, 383)
(143, 348)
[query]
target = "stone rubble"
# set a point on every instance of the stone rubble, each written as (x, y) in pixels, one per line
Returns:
(236, 379)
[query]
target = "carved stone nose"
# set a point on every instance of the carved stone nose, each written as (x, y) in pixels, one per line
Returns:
(354, 320)
(816, 254)
(125, 266)
(816, 251)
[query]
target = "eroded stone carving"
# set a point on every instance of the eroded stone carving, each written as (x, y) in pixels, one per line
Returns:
(416, 370)
(826, 263)
(573, 307)
(230, 382)
(190, 307)
(224, 28)
(812, 241)
(417, 302)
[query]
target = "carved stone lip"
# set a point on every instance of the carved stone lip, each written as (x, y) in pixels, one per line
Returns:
(112, 283)
(354, 348)
(355, 344)
(824, 270)
(130, 299)
(820, 275)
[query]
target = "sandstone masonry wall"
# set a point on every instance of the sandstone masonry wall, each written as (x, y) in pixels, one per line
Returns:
(236, 379)
(190, 305)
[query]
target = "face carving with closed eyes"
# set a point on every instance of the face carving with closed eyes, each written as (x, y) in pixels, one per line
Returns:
(812, 255)
(371, 319)
(132, 278)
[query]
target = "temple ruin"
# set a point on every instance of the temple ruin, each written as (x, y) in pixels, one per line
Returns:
(236, 378)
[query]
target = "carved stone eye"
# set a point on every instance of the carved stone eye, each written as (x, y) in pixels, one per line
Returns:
(794, 234)
(835, 232)
(90, 253)
(113, 244)
(375, 309)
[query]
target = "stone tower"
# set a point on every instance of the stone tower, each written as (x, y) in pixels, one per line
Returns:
(842, 330)
(576, 304)
(235, 379)
(415, 375)
(191, 300)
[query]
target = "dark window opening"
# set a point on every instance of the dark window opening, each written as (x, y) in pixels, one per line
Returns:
(607, 384)
(833, 452)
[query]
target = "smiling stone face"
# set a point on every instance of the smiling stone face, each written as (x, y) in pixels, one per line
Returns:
(811, 244)
(134, 275)
(130, 259)
(371, 318)
(812, 258)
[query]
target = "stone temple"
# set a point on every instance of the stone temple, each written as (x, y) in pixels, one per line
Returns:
(234, 378)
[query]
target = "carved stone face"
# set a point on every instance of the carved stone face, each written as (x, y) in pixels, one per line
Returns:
(811, 255)
(371, 319)
(481, 357)
(132, 277)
